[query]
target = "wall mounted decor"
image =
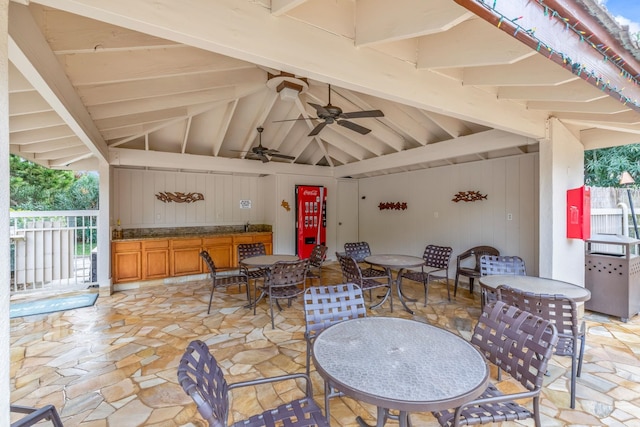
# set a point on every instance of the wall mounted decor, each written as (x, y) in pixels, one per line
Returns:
(285, 205)
(178, 197)
(468, 196)
(398, 206)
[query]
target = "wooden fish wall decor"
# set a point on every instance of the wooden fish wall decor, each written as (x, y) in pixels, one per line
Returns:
(393, 205)
(178, 197)
(468, 196)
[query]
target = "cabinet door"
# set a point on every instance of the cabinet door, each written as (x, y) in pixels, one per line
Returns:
(185, 257)
(267, 240)
(155, 259)
(126, 266)
(221, 251)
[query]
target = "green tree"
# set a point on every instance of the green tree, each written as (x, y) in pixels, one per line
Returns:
(603, 167)
(34, 187)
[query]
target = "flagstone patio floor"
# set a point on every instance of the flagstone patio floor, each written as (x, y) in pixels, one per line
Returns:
(114, 364)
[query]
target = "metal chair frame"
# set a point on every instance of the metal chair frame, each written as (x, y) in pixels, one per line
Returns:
(471, 272)
(437, 260)
(351, 272)
(316, 259)
(499, 264)
(325, 306)
(563, 313)
(285, 280)
(202, 379)
(35, 415)
(223, 280)
(519, 343)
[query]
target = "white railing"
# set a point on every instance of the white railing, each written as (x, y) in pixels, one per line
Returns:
(53, 250)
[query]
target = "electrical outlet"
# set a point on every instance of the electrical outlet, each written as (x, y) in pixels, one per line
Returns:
(509, 217)
(436, 214)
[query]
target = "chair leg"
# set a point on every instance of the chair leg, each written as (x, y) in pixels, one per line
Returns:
(574, 369)
(426, 290)
(213, 287)
(470, 285)
(581, 355)
(271, 309)
(455, 286)
(327, 396)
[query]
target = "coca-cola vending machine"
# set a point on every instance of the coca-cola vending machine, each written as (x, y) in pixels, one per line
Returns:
(311, 218)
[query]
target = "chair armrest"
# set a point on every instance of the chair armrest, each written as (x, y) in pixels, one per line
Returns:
(309, 390)
(47, 412)
(461, 257)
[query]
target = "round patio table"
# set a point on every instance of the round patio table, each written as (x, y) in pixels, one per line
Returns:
(536, 285)
(395, 261)
(400, 364)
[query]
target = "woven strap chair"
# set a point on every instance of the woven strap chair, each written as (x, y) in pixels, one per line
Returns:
(351, 273)
(202, 379)
(286, 280)
(325, 306)
(248, 250)
(316, 259)
(563, 313)
(223, 280)
(359, 251)
(499, 264)
(436, 261)
(472, 272)
(519, 343)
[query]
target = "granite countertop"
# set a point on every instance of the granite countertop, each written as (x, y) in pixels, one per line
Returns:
(186, 232)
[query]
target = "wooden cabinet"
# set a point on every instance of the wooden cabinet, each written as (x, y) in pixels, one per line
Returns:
(220, 249)
(265, 238)
(126, 261)
(185, 257)
(147, 259)
(155, 259)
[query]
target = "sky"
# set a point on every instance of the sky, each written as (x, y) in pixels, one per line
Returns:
(626, 12)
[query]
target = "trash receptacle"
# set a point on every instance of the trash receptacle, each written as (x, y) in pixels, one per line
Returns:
(612, 274)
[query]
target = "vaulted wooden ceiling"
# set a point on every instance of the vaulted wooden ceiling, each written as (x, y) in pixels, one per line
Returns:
(185, 85)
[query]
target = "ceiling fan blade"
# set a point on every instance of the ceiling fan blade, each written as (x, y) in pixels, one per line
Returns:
(353, 126)
(283, 156)
(316, 130)
(320, 109)
(264, 158)
(361, 114)
(293, 120)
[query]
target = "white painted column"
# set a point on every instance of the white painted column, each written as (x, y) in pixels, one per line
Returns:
(5, 274)
(104, 229)
(561, 168)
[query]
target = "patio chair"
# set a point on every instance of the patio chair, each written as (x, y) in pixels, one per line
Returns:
(248, 250)
(359, 251)
(563, 313)
(499, 264)
(202, 379)
(521, 344)
(316, 259)
(471, 272)
(223, 280)
(436, 261)
(323, 307)
(351, 273)
(35, 415)
(286, 280)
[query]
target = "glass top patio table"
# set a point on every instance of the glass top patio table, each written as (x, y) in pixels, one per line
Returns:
(537, 285)
(267, 260)
(400, 364)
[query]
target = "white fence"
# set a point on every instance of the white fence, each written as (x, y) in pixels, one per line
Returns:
(52, 250)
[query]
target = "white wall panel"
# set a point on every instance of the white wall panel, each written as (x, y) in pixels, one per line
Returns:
(433, 218)
(137, 206)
